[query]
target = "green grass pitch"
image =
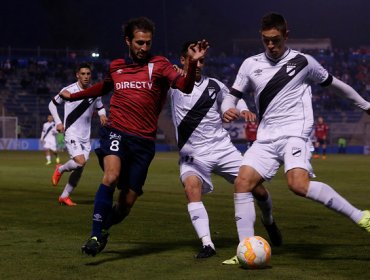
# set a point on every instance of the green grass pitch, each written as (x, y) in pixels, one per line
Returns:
(39, 239)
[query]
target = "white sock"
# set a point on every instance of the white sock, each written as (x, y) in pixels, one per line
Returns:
(68, 189)
(199, 218)
(245, 214)
(266, 209)
(68, 166)
(48, 158)
(326, 195)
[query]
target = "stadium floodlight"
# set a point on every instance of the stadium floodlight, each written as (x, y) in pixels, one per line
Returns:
(95, 54)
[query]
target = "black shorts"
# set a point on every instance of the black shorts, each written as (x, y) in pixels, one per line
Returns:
(136, 154)
(321, 141)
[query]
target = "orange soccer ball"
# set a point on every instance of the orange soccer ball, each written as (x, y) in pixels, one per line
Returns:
(254, 252)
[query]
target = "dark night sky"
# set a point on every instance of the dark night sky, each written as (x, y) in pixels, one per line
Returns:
(96, 24)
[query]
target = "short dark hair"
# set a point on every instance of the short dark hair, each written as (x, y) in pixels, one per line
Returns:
(274, 20)
(83, 65)
(140, 23)
(185, 46)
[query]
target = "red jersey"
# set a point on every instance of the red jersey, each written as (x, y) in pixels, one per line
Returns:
(251, 131)
(139, 93)
(321, 130)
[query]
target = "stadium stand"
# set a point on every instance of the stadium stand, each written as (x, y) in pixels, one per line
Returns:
(28, 82)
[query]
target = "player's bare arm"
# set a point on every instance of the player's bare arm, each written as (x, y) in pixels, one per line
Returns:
(103, 119)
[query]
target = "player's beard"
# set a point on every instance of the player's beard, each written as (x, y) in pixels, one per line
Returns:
(141, 56)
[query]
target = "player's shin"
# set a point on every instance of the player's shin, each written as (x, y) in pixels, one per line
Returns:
(326, 195)
(245, 214)
(102, 207)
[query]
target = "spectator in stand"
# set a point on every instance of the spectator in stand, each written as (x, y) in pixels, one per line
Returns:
(321, 133)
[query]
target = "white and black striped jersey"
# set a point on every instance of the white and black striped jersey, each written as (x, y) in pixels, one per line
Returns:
(196, 116)
(282, 92)
(78, 114)
(48, 132)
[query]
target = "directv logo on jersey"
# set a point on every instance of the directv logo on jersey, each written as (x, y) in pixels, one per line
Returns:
(112, 135)
(133, 84)
(290, 68)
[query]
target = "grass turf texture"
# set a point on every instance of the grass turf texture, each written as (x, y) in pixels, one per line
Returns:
(39, 239)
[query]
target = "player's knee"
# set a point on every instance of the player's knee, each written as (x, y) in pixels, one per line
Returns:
(260, 193)
(80, 161)
(243, 184)
(110, 178)
(299, 188)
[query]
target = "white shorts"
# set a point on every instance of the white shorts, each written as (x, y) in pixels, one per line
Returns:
(75, 147)
(224, 162)
(50, 145)
(266, 157)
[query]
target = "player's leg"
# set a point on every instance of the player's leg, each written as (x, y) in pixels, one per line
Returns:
(264, 202)
(134, 169)
(48, 156)
(298, 172)
(245, 214)
(228, 167)
(73, 180)
(198, 213)
(324, 149)
(103, 204)
(317, 148)
(300, 184)
(80, 157)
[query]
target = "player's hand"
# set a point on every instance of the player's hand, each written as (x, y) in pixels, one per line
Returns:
(179, 70)
(103, 119)
(198, 50)
(65, 94)
(60, 127)
(248, 116)
(231, 115)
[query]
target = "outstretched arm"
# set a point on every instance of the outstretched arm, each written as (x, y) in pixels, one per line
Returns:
(96, 90)
(195, 52)
(351, 94)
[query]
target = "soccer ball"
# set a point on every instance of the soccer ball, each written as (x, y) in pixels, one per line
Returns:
(253, 252)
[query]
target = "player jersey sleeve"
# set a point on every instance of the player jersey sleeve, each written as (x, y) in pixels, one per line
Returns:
(317, 73)
(100, 107)
(185, 84)
(42, 132)
(96, 90)
(241, 82)
(57, 100)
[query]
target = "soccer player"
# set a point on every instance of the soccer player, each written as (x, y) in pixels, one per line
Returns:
(321, 133)
(127, 143)
(77, 129)
(281, 78)
(205, 147)
(48, 140)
